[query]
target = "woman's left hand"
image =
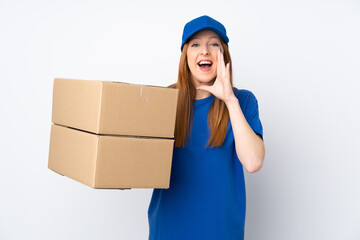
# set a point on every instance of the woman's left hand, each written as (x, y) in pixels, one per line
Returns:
(221, 88)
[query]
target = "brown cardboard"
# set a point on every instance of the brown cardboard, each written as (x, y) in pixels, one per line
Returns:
(115, 108)
(102, 161)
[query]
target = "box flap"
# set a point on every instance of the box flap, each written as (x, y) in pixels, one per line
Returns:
(127, 162)
(131, 109)
(73, 153)
(76, 103)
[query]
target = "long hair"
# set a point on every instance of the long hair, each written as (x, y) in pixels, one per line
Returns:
(218, 117)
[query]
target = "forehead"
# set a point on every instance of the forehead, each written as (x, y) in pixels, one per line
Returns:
(205, 34)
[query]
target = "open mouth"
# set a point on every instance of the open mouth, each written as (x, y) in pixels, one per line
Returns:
(205, 65)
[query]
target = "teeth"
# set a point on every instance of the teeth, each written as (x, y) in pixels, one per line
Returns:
(204, 62)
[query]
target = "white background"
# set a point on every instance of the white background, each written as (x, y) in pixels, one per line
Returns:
(300, 59)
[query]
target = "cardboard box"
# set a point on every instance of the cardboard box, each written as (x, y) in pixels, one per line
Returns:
(112, 134)
(115, 108)
(103, 161)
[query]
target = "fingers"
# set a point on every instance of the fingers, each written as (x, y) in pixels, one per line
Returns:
(220, 64)
(228, 69)
(223, 70)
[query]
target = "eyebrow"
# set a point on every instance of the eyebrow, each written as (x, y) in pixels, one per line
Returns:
(209, 38)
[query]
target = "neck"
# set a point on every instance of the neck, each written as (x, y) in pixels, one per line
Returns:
(200, 94)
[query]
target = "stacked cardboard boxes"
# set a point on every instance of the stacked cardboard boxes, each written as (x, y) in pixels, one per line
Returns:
(112, 134)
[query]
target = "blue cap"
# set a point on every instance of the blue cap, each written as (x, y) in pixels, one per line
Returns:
(203, 23)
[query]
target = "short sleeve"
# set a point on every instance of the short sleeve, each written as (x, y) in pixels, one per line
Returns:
(252, 114)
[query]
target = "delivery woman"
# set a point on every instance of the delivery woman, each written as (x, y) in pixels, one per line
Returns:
(217, 133)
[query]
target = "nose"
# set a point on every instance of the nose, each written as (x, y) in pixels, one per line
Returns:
(204, 50)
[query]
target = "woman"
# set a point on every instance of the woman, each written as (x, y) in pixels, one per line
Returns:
(217, 133)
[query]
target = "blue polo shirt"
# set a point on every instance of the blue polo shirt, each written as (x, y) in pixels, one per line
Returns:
(206, 199)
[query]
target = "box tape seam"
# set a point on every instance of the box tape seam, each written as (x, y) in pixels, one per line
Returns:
(144, 94)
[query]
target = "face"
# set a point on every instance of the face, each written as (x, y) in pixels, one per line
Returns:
(202, 57)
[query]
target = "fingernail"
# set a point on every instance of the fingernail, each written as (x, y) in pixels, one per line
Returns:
(220, 50)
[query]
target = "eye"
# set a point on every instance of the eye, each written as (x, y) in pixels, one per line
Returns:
(214, 44)
(195, 45)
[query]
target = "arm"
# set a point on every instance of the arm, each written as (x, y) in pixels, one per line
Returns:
(249, 146)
